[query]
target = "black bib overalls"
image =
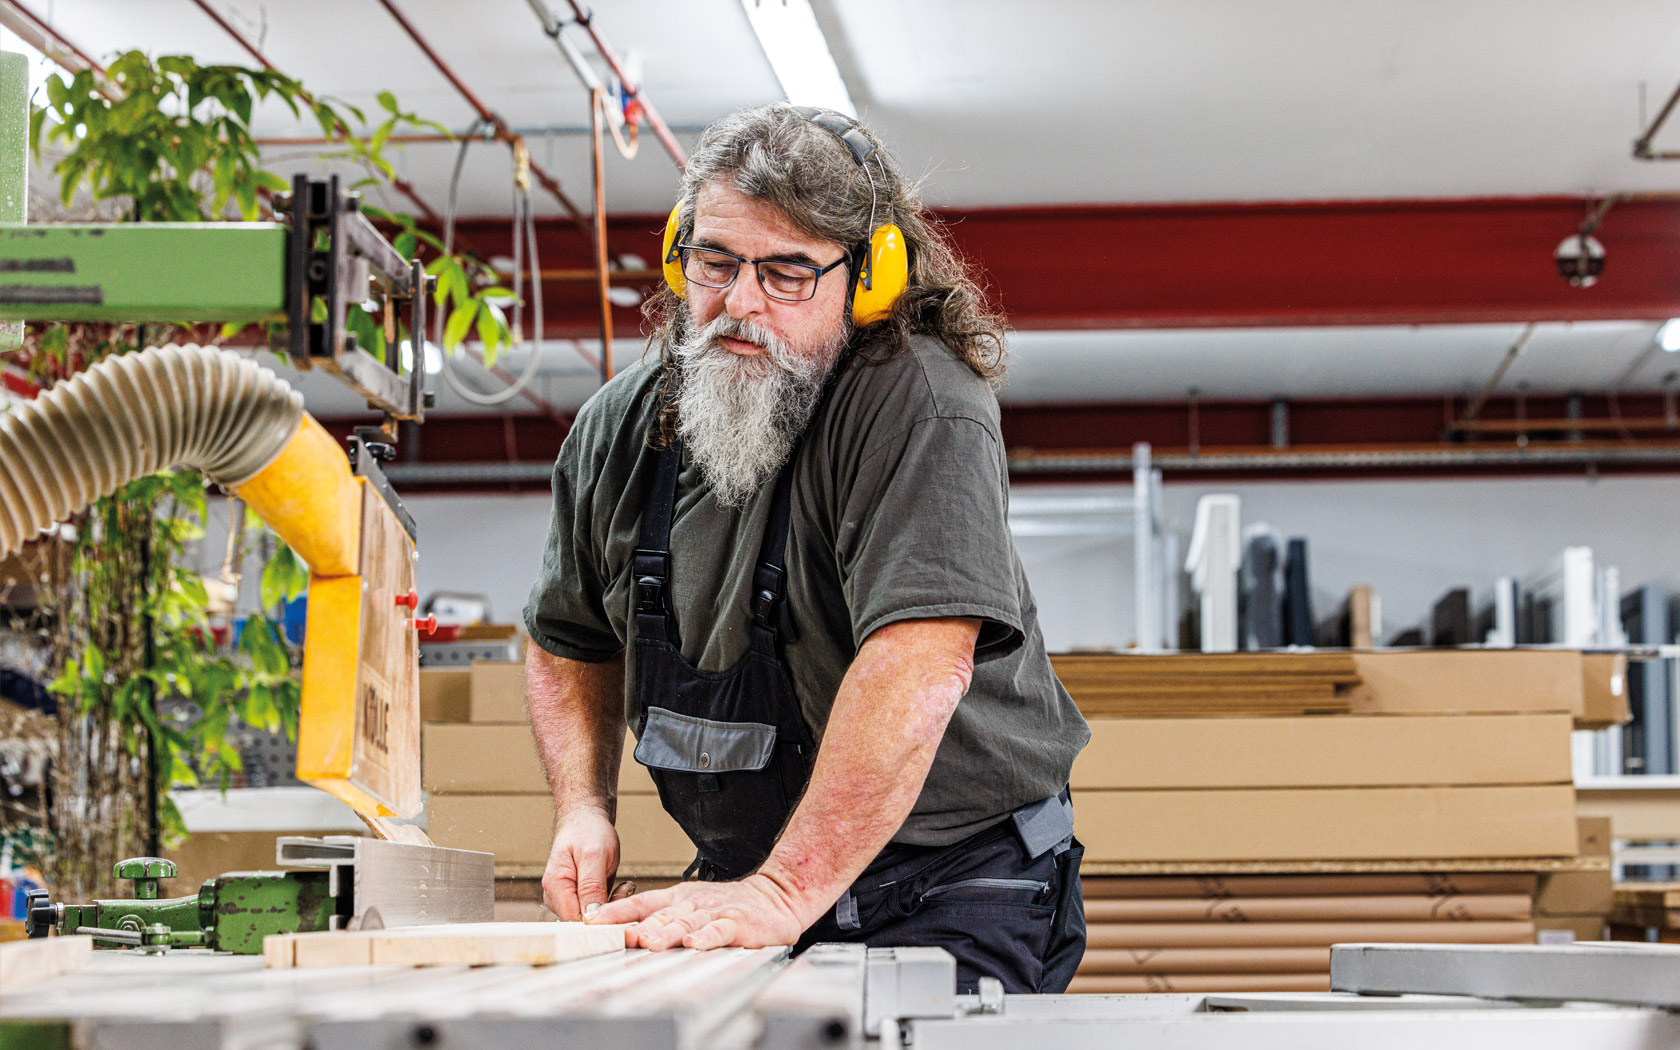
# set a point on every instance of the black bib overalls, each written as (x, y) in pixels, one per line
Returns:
(731, 755)
(729, 751)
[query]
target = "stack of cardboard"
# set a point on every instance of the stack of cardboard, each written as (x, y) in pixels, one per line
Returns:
(487, 790)
(1272, 933)
(1646, 911)
(1575, 905)
(1144, 685)
(1346, 788)
(1449, 775)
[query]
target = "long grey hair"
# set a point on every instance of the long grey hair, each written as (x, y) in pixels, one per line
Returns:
(774, 154)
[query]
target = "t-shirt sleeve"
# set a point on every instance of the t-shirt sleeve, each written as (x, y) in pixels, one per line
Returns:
(565, 615)
(924, 534)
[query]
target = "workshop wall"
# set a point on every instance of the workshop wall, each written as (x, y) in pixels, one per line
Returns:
(1411, 540)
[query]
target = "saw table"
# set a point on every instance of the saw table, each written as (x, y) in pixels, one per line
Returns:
(839, 997)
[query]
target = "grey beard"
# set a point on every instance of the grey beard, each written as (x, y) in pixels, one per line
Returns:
(738, 417)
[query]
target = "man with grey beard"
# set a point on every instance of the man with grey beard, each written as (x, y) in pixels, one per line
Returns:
(779, 553)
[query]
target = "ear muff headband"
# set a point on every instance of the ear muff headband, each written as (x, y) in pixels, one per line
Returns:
(882, 266)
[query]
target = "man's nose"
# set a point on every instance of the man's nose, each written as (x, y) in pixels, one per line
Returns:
(745, 298)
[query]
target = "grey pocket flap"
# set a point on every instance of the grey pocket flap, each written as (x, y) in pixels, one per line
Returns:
(700, 745)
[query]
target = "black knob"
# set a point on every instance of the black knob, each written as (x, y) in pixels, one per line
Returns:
(39, 915)
(381, 452)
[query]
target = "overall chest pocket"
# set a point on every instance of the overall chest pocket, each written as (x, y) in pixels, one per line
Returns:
(720, 781)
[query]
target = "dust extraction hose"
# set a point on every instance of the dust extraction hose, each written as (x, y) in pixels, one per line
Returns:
(179, 406)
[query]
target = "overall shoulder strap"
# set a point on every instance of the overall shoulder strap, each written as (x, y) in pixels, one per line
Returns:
(651, 564)
(769, 600)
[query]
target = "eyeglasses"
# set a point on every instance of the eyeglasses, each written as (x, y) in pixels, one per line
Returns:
(790, 282)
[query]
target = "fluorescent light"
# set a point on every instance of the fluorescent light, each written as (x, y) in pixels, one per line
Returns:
(1668, 336)
(798, 52)
(434, 357)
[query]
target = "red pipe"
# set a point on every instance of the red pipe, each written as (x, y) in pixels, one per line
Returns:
(548, 182)
(50, 31)
(586, 19)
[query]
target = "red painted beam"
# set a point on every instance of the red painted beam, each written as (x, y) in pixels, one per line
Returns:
(1298, 263)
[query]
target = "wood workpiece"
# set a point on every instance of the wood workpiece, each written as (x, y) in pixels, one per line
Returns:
(459, 944)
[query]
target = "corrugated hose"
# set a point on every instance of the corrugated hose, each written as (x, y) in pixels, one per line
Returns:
(136, 414)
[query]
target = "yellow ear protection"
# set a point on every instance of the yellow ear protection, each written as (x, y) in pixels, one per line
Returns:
(880, 266)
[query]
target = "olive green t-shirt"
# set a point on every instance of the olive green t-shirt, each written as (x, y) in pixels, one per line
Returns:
(899, 502)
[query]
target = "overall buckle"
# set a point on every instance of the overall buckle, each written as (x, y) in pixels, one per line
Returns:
(651, 569)
(767, 596)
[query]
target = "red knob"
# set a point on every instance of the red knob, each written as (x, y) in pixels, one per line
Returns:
(411, 600)
(429, 624)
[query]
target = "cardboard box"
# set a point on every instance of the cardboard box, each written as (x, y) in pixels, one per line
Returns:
(519, 830)
(1438, 681)
(486, 759)
(498, 691)
(1575, 893)
(1592, 836)
(1325, 751)
(1566, 929)
(1604, 691)
(1433, 823)
(1641, 814)
(445, 694)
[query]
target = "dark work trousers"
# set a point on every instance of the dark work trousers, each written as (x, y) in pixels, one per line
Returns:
(1000, 911)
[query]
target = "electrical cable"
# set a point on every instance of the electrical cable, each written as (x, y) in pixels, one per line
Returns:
(524, 226)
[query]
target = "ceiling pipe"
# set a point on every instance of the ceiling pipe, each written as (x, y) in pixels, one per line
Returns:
(402, 185)
(41, 36)
(547, 181)
(1377, 457)
(586, 18)
(1642, 145)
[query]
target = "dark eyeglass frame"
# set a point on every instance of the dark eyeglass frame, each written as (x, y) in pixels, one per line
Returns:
(817, 272)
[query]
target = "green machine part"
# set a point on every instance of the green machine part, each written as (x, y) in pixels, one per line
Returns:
(230, 913)
(143, 271)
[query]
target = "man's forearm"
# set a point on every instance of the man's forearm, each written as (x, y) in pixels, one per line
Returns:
(889, 715)
(577, 716)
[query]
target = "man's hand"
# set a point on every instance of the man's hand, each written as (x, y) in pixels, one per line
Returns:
(582, 863)
(753, 913)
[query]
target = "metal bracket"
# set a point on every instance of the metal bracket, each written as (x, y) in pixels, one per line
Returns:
(395, 884)
(333, 254)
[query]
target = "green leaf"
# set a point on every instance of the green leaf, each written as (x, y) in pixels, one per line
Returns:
(93, 663)
(460, 320)
(284, 577)
(405, 244)
(389, 101)
(192, 587)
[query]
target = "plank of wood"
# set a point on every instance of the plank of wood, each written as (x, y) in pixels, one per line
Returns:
(23, 963)
(1386, 908)
(1220, 886)
(1117, 984)
(1204, 960)
(1300, 934)
(458, 944)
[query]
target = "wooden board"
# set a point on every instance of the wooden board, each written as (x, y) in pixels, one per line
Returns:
(1203, 684)
(461, 944)
(1216, 887)
(1429, 865)
(1235, 983)
(1205, 960)
(23, 963)
(1389, 908)
(1300, 934)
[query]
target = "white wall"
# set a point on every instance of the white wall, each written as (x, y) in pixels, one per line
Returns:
(1410, 540)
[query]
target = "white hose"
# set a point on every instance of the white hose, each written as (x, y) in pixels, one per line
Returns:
(132, 415)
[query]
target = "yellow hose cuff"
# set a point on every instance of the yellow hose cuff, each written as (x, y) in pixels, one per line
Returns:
(311, 500)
